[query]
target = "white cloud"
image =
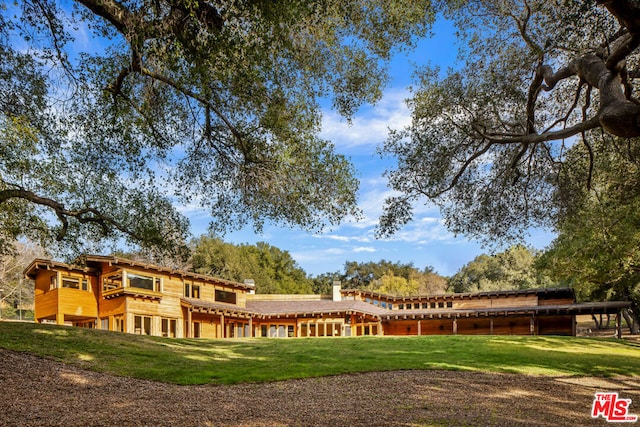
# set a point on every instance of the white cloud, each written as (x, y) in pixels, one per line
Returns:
(342, 238)
(371, 126)
(364, 249)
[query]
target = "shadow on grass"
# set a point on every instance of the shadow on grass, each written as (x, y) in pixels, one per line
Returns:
(192, 361)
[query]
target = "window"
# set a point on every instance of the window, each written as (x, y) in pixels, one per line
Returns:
(187, 290)
(225, 296)
(400, 306)
(433, 305)
(142, 325)
(112, 281)
(142, 282)
(54, 282)
(441, 305)
(119, 323)
(449, 304)
(169, 327)
(104, 324)
(425, 305)
(71, 282)
(195, 291)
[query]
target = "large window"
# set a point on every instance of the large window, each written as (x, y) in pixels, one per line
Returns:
(225, 296)
(142, 282)
(169, 327)
(75, 283)
(142, 325)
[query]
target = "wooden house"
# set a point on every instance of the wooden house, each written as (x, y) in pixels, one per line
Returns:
(118, 294)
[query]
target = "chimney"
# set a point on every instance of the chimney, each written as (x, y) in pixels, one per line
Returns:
(337, 296)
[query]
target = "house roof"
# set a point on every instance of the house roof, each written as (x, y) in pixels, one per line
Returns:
(45, 264)
(608, 307)
(285, 308)
(543, 293)
(200, 306)
(312, 308)
(90, 264)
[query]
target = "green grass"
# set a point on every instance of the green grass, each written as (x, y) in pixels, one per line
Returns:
(191, 361)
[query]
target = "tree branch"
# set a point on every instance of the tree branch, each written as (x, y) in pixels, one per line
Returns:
(84, 216)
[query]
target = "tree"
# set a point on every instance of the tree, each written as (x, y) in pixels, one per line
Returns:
(391, 284)
(182, 101)
(512, 269)
(597, 250)
(490, 141)
(15, 292)
(273, 270)
(323, 283)
(392, 278)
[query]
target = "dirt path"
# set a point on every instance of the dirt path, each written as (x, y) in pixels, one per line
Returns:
(40, 392)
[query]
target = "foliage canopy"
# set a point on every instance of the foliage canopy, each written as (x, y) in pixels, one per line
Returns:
(492, 142)
(273, 270)
(111, 111)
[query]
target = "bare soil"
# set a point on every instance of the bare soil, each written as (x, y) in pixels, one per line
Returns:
(42, 392)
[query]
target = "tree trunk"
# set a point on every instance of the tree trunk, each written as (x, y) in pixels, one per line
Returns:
(595, 320)
(632, 321)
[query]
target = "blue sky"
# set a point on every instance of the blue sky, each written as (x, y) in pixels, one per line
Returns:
(424, 242)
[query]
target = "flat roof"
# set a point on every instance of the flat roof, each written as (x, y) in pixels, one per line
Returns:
(540, 292)
(284, 309)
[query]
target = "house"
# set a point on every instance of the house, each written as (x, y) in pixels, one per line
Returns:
(119, 294)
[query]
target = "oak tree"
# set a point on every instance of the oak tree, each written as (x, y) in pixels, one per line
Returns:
(114, 112)
(492, 140)
(597, 251)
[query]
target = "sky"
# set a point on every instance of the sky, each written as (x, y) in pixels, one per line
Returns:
(425, 242)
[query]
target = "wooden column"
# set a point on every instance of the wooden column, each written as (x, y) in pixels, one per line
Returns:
(250, 327)
(619, 324)
(491, 326)
(419, 327)
(532, 325)
(455, 326)
(189, 333)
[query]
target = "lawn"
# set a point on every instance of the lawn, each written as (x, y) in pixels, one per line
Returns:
(199, 361)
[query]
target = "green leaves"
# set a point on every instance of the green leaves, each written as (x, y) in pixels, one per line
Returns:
(512, 269)
(274, 271)
(167, 101)
(598, 245)
(489, 139)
